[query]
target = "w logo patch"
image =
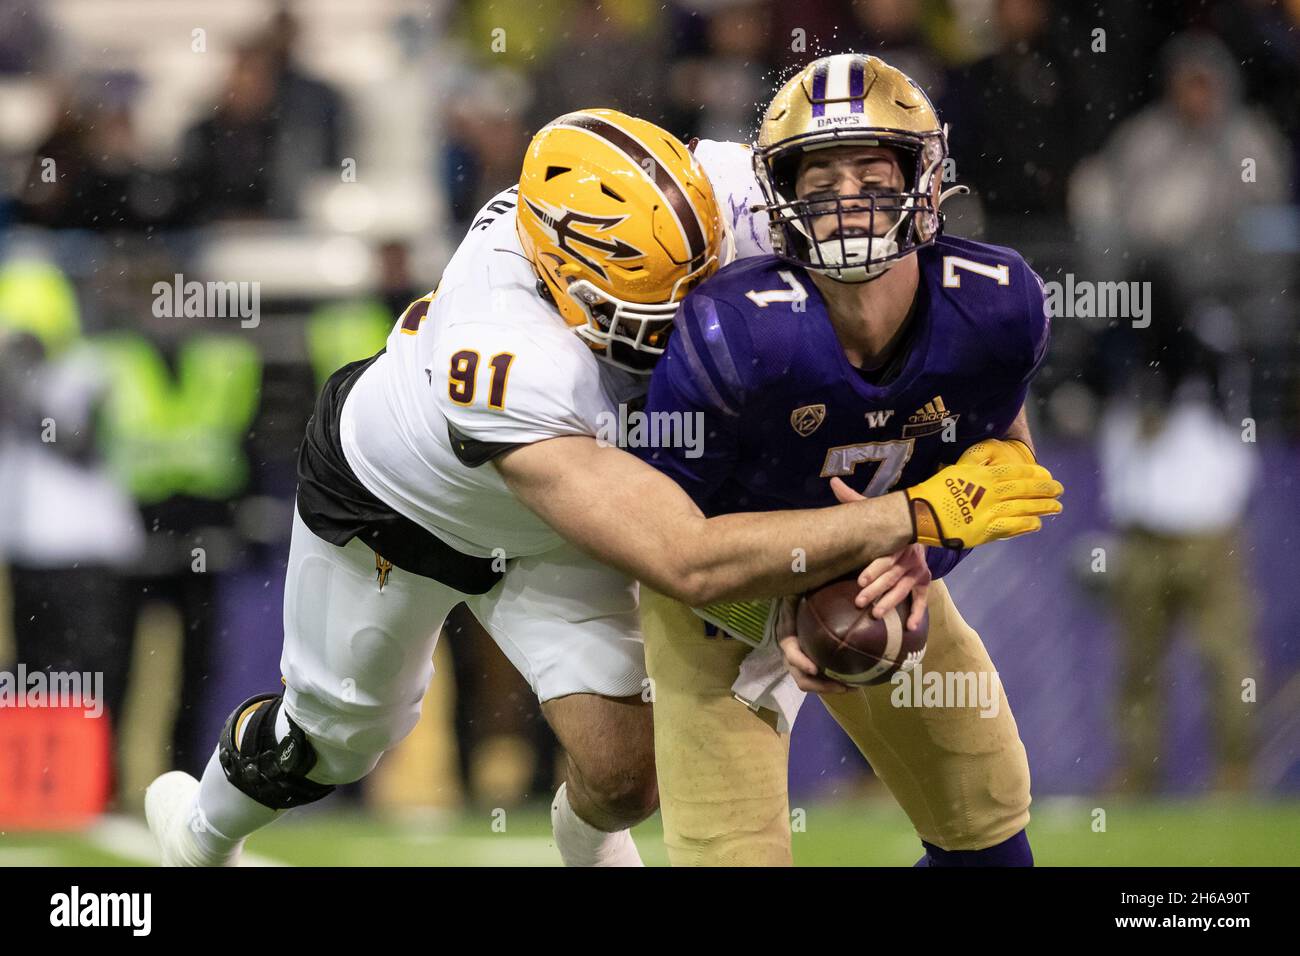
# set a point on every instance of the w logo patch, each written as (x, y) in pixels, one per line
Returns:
(878, 419)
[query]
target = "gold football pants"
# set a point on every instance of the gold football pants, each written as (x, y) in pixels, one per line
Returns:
(721, 766)
(959, 772)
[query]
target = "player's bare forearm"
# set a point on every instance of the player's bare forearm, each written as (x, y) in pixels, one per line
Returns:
(625, 513)
(784, 552)
(1019, 430)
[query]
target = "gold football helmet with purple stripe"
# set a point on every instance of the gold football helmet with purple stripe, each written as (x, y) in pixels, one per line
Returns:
(620, 223)
(843, 100)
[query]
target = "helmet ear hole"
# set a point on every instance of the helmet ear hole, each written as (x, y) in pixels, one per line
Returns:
(785, 173)
(909, 162)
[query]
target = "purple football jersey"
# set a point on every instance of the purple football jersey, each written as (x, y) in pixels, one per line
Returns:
(754, 353)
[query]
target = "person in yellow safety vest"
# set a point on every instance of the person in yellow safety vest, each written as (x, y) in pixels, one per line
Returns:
(346, 332)
(183, 435)
(175, 433)
(68, 531)
(37, 298)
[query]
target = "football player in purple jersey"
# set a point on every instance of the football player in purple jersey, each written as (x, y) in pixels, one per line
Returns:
(868, 353)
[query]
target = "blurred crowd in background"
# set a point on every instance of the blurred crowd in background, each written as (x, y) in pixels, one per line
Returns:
(334, 152)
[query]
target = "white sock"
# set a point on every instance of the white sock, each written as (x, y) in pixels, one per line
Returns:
(581, 844)
(223, 814)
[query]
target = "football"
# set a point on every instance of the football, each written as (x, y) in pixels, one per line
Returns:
(851, 646)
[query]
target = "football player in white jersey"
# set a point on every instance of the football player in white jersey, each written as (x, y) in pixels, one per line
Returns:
(464, 464)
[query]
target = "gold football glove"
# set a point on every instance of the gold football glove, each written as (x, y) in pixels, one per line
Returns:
(998, 451)
(966, 505)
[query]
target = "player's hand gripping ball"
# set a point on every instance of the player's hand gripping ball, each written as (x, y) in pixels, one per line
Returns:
(852, 646)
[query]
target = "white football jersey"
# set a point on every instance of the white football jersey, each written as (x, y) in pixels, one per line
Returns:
(488, 356)
(730, 168)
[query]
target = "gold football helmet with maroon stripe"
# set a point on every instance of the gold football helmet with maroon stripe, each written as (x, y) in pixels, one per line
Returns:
(620, 222)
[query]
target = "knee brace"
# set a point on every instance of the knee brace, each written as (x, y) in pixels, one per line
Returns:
(273, 772)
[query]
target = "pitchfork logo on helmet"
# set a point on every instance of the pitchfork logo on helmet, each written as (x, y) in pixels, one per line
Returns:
(559, 227)
(851, 99)
(620, 223)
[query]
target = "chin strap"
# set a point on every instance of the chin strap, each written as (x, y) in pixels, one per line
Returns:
(951, 191)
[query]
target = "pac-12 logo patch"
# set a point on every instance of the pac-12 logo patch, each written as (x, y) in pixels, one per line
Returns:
(806, 419)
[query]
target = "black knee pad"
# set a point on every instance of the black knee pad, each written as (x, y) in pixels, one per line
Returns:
(274, 773)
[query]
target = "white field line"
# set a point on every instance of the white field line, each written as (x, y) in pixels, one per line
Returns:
(29, 856)
(494, 850)
(130, 839)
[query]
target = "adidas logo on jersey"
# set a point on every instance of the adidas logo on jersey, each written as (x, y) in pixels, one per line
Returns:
(931, 417)
(932, 411)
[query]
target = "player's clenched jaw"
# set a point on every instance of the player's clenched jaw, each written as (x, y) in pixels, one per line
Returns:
(853, 192)
(855, 176)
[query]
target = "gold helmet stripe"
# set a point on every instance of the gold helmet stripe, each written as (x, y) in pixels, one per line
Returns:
(660, 176)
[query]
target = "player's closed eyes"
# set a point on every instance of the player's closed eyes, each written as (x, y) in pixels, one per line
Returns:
(872, 185)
